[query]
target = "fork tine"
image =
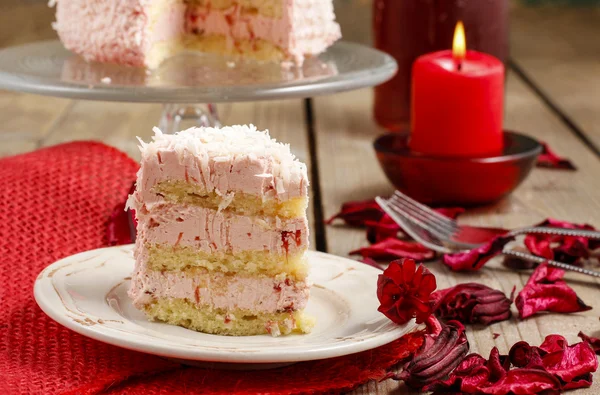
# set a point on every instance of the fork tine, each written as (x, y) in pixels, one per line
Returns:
(421, 215)
(426, 209)
(414, 230)
(416, 217)
(425, 214)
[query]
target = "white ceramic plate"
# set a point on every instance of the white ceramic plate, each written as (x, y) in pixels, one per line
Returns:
(87, 293)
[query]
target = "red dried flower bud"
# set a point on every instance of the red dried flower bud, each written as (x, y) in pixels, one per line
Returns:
(437, 358)
(404, 291)
(472, 303)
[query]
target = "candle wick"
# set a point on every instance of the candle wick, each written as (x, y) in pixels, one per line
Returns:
(459, 65)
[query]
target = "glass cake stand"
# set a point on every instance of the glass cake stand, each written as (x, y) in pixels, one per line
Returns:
(190, 84)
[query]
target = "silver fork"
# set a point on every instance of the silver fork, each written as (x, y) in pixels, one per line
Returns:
(443, 234)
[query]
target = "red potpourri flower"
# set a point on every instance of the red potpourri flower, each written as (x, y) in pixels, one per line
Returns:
(437, 357)
(392, 248)
(472, 303)
(561, 248)
(404, 291)
(550, 159)
(594, 342)
(553, 366)
(476, 258)
(547, 291)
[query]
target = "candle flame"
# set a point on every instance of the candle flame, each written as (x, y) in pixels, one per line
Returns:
(459, 44)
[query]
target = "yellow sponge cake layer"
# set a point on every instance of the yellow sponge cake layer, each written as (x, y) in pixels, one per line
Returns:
(239, 203)
(259, 263)
(234, 322)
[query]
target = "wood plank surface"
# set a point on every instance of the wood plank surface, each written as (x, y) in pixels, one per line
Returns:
(558, 49)
(344, 125)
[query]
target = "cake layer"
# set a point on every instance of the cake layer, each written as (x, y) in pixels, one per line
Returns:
(222, 161)
(236, 202)
(213, 231)
(256, 263)
(220, 291)
(270, 8)
(235, 322)
(304, 27)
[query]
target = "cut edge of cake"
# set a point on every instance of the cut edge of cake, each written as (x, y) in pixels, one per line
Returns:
(146, 32)
(208, 268)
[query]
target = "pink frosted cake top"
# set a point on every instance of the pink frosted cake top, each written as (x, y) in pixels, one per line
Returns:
(223, 160)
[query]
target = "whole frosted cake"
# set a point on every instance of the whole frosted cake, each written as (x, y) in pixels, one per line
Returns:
(222, 232)
(145, 32)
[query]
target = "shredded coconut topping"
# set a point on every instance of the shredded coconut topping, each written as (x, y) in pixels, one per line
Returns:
(227, 143)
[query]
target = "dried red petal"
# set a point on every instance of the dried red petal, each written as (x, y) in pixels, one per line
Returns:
(472, 303)
(594, 342)
(523, 382)
(568, 363)
(404, 291)
(553, 366)
(561, 248)
(379, 225)
(358, 213)
(392, 248)
(522, 355)
(475, 259)
(548, 158)
(547, 291)
(380, 230)
(437, 357)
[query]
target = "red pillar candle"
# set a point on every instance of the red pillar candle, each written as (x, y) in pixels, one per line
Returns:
(457, 103)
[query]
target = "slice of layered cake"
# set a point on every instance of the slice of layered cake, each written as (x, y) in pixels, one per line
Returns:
(145, 32)
(222, 232)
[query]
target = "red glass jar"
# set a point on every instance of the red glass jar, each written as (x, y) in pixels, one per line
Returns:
(407, 29)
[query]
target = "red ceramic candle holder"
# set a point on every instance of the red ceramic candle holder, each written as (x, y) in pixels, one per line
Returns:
(454, 180)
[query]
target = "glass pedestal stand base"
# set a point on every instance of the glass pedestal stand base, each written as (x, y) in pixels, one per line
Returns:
(177, 117)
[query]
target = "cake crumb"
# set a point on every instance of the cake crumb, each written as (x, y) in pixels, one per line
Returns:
(230, 64)
(106, 80)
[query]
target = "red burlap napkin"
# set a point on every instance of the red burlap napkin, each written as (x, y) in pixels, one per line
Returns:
(56, 202)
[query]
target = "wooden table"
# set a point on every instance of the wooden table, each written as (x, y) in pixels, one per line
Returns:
(553, 95)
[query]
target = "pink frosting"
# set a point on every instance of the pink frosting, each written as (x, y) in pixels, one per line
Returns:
(220, 291)
(250, 174)
(307, 27)
(210, 231)
(106, 31)
(121, 31)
